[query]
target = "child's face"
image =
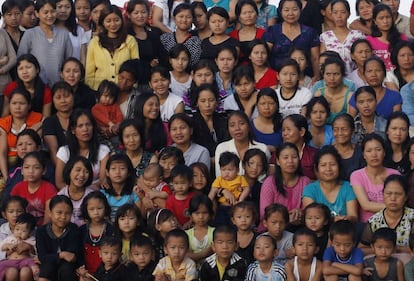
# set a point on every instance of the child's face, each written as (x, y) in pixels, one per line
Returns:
(13, 210)
(21, 231)
(315, 219)
(151, 179)
(110, 255)
(229, 172)
(305, 247)
(32, 170)
(300, 58)
(199, 180)
(176, 249)
(168, 225)
(180, 63)
(254, 167)
(264, 250)
(225, 61)
(61, 214)
(181, 185)
(167, 165)
(141, 256)
(288, 77)
(79, 175)
(106, 98)
(383, 249)
(96, 210)
(118, 172)
(201, 216)
(159, 84)
(343, 245)
(275, 225)
(128, 223)
(224, 245)
(242, 219)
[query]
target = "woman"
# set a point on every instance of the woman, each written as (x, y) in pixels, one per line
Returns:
(351, 154)
(200, 21)
(264, 76)
(82, 139)
(7, 62)
(329, 189)
(317, 112)
(286, 185)
(57, 125)
(131, 136)
(246, 15)
(361, 50)
(402, 56)
(12, 15)
(181, 131)
(162, 11)
(97, 7)
(368, 182)
(183, 19)
(21, 117)
(281, 37)
(364, 10)
(209, 126)
(295, 130)
(48, 37)
(108, 50)
(73, 72)
(387, 99)
(267, 125)
(28, 78)
(29, 18)
(367, 121)
(242, 139)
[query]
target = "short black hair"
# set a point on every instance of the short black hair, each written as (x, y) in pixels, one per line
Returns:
(386, 234)
(94, 195)
(28, 219)
(111, 241)
(272, 240)
(177, 233)
(343, 227)
(69, 166)
(141, 241)
(225, 229)
(110, 87)
(182, 171)
(227, 158)
(304, 231)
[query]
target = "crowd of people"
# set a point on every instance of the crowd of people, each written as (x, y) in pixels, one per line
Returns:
(206, 140)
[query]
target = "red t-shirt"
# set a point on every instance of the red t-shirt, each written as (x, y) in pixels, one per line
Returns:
(412, 8)
(47, 94)
(268, 80)
(179, 207)
(37, 200)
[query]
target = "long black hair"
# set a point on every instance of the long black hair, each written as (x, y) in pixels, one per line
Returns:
(394, 35)
(278, 176)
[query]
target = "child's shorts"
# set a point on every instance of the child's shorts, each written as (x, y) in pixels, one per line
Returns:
(19, 264)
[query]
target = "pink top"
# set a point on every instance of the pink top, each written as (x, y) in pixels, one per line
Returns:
(381, 50)
(359, 178)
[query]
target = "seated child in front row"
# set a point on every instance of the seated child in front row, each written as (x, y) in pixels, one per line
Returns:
(142, 263)
(305, 265)
(342, 259)
(383, 266)
(20, 248)
(176, 265)
(265, 267)
(224, 264)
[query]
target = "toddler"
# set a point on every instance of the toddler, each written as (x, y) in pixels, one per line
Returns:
(141, 255)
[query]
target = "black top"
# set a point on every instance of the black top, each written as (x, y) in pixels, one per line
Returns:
(403, 166)
(84, 96)
(311, 15)
(144, 274)
(118, 273)
(355, 162)
(321, 242)
(247, 252)
(52, 126)
(235, 270)
(209, 51)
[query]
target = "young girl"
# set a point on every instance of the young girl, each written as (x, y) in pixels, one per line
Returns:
(304, 266)
(302, 58)
(37, 191)
(95, 210)
(276, 219)
(318, 218)
(78, 177)
(201, 234)
(58, 243)
(243, 216)
(121, 180)
(179, 59)
(160, 222)
(291, 96)
(201, 178)
(128, 224)
(169, 103)
(264, 76)
(169, 158)
(226, 61)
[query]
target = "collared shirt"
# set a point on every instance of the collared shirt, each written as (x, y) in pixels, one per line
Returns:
(186, 271)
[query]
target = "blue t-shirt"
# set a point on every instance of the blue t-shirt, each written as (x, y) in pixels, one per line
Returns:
(356, 257)
(329, 137)
(338, 207)
(274, 139)
(115, 203)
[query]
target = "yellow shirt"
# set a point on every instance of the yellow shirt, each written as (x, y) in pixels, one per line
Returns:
(186, 271)
(221, 269)
(235, 186)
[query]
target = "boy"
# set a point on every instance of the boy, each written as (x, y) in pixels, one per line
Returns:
(224, 264)
(342, 259)
(409, 267)
(178, 203)
(382, 266)
(141, 256)
(111, 269)
(176, 266)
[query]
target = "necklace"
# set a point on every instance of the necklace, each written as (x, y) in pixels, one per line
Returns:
(95, 241)
(343, 261)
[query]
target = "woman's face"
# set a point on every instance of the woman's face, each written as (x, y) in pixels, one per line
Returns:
(340, 14)
(151, 109)
(83, 130)
(300, 58)
(405, 58)
(200, 20)
(238, 128)
(342, 131)
(206, 103)
(332, 75)
(27, 71)
(203, 76)
(397, 131)
(46, 15)
(29, 18)
(96, 13)
(374, 74)
(374, 153)
(290, 12)
(159, 84)
(139, 15)
(328, 168)
(318, 115)
(288, 77)
(180, 63)
(131, 138)
(24, 145)
(383, 20)
(288, 160)
(245, 88)
(180, 132)
(394, 196)
(366, 104)
(112, 24)
(82, 10)
(267, 106)
(361, 53)
(71, 73)
(63, 101)
(291, 133)
(183, 20)
(258, 55)
(12, 17)
(225, 61)
(218, 24)
(63, 9)
(248, 15)
(365, 10)
(254, 167)
(19, 106)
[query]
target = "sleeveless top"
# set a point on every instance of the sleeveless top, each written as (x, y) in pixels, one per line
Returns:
(296, 269)
(392, 270)
(145, 160)
(344, 108)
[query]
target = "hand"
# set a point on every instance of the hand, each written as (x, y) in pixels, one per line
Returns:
(147, 203)
(229, 197)
(151, 194)
(22, 247)
(188, 224)
(4, 60)
(154, 62)
(81, 271)
(161, 277)
(36, 127)
(295, 216)
(67, 256)
(367, 271)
